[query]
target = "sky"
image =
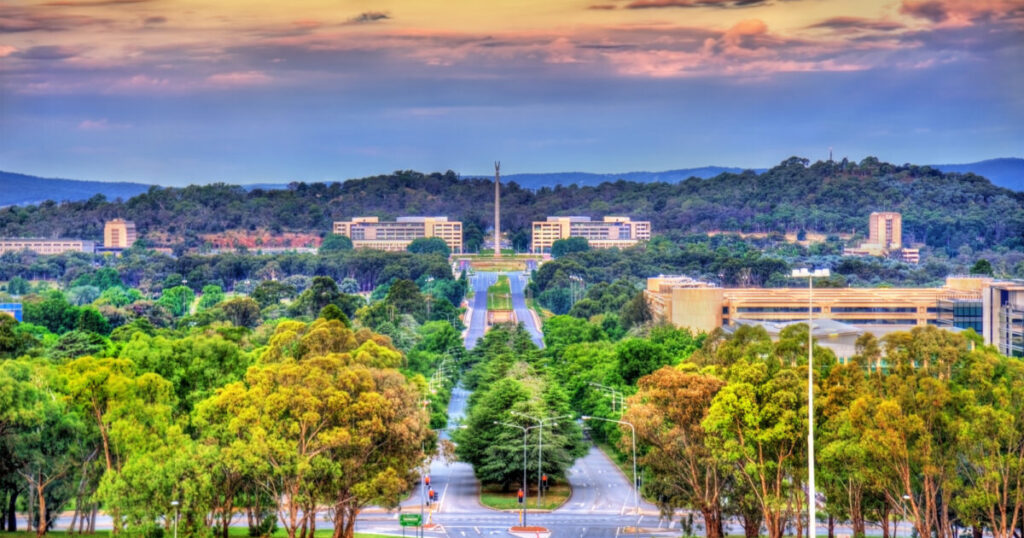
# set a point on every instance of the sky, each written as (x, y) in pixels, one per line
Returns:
(196, 91)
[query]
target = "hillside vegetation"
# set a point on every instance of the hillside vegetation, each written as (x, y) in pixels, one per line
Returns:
(943, 210)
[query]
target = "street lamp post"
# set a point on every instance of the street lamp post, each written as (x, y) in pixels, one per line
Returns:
(177, 511)
(636, 493)
(615, 393)
(540, 446)
(812, 526)
(525, 429)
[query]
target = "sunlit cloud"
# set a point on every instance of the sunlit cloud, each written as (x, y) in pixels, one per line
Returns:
(238, 79)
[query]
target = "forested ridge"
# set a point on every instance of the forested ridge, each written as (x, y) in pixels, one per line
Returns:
(939, 209)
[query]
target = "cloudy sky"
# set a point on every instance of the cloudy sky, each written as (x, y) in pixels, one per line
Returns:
(179, 91)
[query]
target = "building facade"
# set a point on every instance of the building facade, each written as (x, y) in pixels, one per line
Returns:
(11, 309)
(46, 246)
(607, 233)
(885, 238)
(371, 232)
(699, 306)
(119, 234)
(1003, 317)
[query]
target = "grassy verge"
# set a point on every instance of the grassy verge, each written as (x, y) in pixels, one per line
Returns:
(491, 496)
(499, 295)
(542, 312)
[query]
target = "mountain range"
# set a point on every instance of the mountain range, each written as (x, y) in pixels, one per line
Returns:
(22, 189)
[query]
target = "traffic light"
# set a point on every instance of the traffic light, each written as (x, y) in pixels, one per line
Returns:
(432, 495)
(520, 495)
(544, 481)
(427, 480)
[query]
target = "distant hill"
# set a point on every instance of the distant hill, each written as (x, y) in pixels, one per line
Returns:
(1008, 173)
(21, 189)
(586, 179)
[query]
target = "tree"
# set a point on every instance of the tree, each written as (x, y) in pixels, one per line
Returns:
(638, 357)
(335, 243)
(13, 342)
(270, 292)
(212, 294)
(90, 319)
(756, 423)
(17, 286)
(982, 267)
(54, 312)
(635, 312)
(242, 312)
(429, 245)
(668, 411)
(561, 247)
(344, 428)
(177, 300)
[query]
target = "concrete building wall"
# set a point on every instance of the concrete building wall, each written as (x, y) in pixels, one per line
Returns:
(611, 231)
(371, 232)
(119, 233)
(47, 246)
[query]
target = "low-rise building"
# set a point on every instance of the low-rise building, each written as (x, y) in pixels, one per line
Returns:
(371, 232)
(46, 246)
(119, 234)
(607, 233)
(11, 309)
(701, 306)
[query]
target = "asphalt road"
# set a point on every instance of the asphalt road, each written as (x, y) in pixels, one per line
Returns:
(478, 315)
(518, 281)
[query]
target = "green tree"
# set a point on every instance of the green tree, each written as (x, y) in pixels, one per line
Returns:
(53, 312)
(635, 312)
(756, 423)
(90, 319)
(561, 247)
(335, 243)
(17, 286)
(270, 292)
(177, 300)
(241, 312)
(638, 357)
(212, 294)
(982, 267)
(429, 245)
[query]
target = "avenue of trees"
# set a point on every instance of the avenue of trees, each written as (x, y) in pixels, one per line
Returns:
(925, 426)
(270, 406)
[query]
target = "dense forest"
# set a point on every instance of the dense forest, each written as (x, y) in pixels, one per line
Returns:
(943, 210)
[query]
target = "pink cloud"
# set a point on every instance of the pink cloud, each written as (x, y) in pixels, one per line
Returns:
(7, 50)
(239, 78)
(101, 124)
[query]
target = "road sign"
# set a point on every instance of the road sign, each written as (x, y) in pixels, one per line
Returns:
(410, 520)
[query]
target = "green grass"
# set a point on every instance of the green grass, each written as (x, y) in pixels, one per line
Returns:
(491, 496)
(499, 295)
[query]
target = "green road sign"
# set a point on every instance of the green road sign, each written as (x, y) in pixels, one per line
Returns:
(410, 520)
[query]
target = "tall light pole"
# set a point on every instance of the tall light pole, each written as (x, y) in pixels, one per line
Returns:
(525, 429)
(636, 484)
(177, 511)
(812, 527)
(540, 446)
(615, 393)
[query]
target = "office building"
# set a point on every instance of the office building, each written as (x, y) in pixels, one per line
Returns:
(686, 302)
(370, 232)
(119, 234)
(11, 309)
(46, 246)
(1003, 317)
(609, 232)
(885, 238)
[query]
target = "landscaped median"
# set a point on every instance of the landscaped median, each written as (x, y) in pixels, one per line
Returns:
(499, 295)
(492, 496)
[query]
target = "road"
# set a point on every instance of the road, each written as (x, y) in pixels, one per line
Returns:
(478, 313)
(517, 282)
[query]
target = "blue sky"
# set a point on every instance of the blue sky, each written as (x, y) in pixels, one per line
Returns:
(178, 92)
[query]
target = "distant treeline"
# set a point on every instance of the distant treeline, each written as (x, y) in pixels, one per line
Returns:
(944, 211)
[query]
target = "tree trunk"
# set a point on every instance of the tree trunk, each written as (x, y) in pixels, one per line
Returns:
(751, 524)
(41, 529)
(712, 522)
(885, 520)
(12, 518)
(831, 526)
(92, 518)
(977, 531)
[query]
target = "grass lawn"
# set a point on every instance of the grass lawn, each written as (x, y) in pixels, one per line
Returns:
(542, 312)
(499, 295)
(491, 496)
